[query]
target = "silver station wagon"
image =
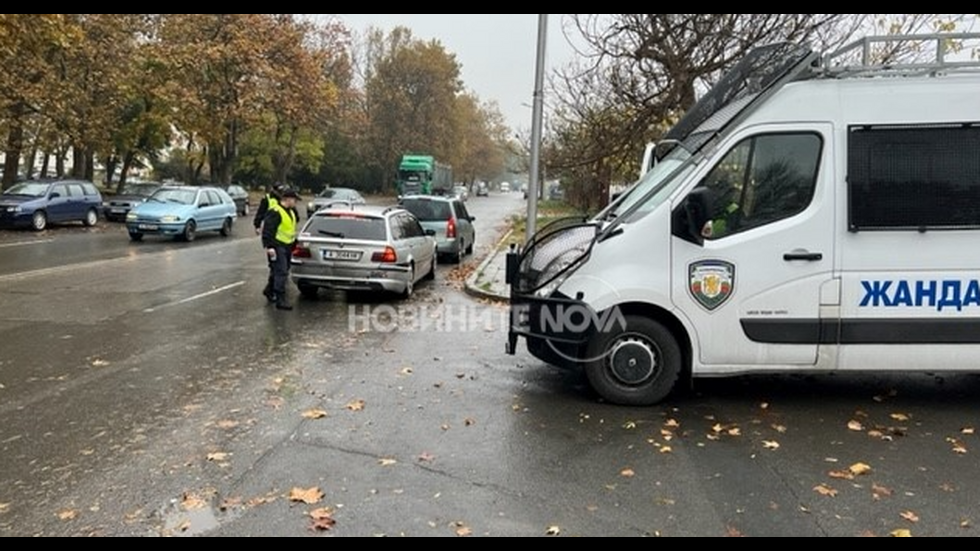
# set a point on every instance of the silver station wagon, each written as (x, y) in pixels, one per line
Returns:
(373, 249)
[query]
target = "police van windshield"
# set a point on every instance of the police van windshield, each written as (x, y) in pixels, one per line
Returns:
(655, 186)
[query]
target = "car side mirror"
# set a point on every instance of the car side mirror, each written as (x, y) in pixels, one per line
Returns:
(472, 218)
(55, 195)
(692, 216)
(430, 233)
(204, 205)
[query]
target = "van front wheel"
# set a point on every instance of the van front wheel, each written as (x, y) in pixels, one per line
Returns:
(635, 366)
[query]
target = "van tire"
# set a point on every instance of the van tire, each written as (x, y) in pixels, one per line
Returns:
(638, 366)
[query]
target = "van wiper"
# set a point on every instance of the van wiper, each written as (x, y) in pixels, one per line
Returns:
(335, 235)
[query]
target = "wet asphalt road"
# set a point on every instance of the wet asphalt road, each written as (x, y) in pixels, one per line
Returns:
(148, 390)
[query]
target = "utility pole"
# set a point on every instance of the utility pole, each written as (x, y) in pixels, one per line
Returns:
(537, 115)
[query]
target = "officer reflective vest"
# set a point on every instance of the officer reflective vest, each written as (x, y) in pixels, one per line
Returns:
(286, 234)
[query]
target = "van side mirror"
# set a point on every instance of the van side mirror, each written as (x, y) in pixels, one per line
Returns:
(55, 195)
(691, 217)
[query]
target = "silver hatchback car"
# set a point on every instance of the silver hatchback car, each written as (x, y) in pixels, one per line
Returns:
(364, 248)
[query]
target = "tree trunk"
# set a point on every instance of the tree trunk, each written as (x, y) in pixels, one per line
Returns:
(11, 164)
(45, 165)
(89, 173)
(283, 160)
(79, 158)
(127, 164)
(110, 170)
(15, 145)
(29, 162)
(59, 163)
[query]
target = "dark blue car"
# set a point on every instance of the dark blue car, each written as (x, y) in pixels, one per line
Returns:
(37, 204)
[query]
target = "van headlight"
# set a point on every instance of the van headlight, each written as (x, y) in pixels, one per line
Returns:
(558, 271)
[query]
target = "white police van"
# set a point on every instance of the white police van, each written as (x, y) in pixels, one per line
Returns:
(809, 215)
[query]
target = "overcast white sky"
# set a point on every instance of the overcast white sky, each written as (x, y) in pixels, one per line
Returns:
(496, 50)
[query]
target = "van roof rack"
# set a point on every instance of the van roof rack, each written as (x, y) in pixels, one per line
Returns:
(951, 52)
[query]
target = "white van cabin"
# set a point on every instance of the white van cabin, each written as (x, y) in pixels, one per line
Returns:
(815, 217)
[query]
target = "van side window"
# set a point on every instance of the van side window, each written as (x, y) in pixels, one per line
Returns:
(914, 177)
(763, 179)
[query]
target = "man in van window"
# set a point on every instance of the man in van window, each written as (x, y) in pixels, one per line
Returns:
(725, 215)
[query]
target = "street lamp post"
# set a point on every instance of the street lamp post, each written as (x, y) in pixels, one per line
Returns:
(536, 123)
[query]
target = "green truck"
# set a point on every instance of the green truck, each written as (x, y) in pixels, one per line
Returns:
(423, 175)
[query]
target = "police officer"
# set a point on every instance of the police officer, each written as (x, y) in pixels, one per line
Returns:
(279, 230)
(271, 197)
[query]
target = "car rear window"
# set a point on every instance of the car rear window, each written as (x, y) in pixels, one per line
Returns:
(359, 228)
(429, 211)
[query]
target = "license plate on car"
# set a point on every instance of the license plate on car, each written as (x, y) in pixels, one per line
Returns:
(118, 211)
(344, 256)
(148, 227)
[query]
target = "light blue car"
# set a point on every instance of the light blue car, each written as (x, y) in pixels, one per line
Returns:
(182, 212)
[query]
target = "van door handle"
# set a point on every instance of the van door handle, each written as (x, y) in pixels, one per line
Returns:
(802, 256)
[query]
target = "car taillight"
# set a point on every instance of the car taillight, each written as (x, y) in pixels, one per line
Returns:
(451, 229)
(301, 251)
(389, 256)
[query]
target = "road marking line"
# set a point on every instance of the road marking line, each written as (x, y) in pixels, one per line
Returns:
(23, 243)
(195, 297)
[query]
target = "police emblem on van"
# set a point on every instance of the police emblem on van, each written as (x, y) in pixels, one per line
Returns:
(712, 283)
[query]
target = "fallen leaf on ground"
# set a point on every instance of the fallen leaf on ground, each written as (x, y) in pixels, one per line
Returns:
(356, 405)
(68, 514)
(855, 426)
(469, 422)
(463, 531)
(910, 516)
(629, 425)
(666, 449)
(901, 417)
(407, 371)
(426, 457)
(859, 469)
(314, 414)
(903, 533)
(880, 491)
(969, 431)
(825, 490)
(672, 424)
(184, 526)
(960, 450)
(4, 507)
(732, 532)
(322, 519)
(841, 475)
(770, 444)
(735, 431)
(387, 462)
(100, 363)
(553, 531)
(218, 456)
(965, 524)
(262, 500)
(191, 502)
(227, 424)
(780, 429)
(310, 496)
